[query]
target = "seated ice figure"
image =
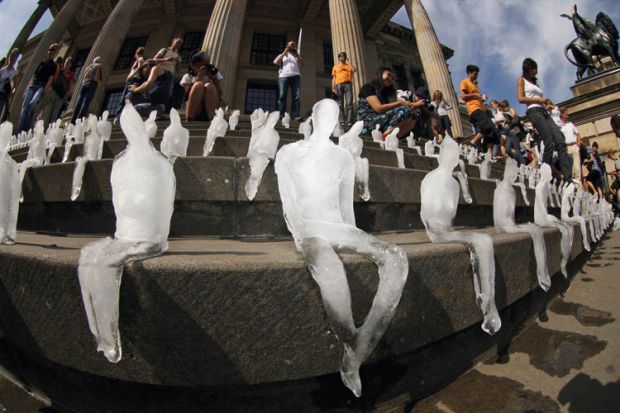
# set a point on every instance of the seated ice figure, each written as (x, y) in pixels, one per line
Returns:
(93, 146)
(544, 219)
(352, 142)
(79, 130)
(286, 120)
(411, 144)
(532, 177)
(150, 125)
(315, 179)
(233, 119)
(176, 138)
(554, 200)
(305, 128)
(504, 202)
(376, 134)
(36, 153)
(104, 127)
(472, 156)
(263, 147)
(521, 183)
(429, 149)
(74, 134)
(568, 200)
(439, 195)
(391, 144)
(143, 188)
(55, 136)
(9, 187)
(485, 166)
(580, 208)
(258, 117)
(217, 129)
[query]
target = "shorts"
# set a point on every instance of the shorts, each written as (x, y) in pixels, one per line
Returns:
(485, 125)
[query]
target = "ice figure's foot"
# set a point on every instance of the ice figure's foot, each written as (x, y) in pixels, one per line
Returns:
(75, 193)
(250, 189)
(112, 352)
(586, 246)
(544, 281)
(7, 241)
(563, 269)
(491, 323)
(350, 371)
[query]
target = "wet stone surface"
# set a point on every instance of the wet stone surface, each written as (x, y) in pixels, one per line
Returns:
(585, 315)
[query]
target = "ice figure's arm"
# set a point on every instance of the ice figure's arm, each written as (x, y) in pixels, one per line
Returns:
(347, 188)
(288, 197)
(462, 177)
(362, 175)
(540, 250)
(78, 176)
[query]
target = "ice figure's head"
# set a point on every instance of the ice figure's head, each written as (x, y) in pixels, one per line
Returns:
(104, 115)
(6, 130)
(511, 171)
(355, 130)
(175, 119)
(305, 127)
(92, 123)
(272, 120)
(448, 154)
(545, 172)
(39, 128)
(324, 118)
(257, 118)
(133, 126)
(219, 113)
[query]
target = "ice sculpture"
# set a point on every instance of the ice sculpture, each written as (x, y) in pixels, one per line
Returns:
(150, 125)
(217, 129)
(544, 219)
(578, 211)
(79, 130)
(504, 202)
(263, 147)
(352, 142)
(315, 179)
(472, 157)
(143, 187)
(391, 144)
(69, 141)
(104, 127)
(258, 117)
(93, 144)
(429, 149)
(9, 187)
(439, 194)
(36, 153)
(532, 178)
(485, 166)
(568, 200)
(55, 136)
(233, 119)
(376, 134)
(286, 120)
(411, 144)
(554, 199)
(521, 184)
(461, 175)
(305, 128)
(176, 138)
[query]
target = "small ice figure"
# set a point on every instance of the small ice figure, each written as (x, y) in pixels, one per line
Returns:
(233, 119)
(376, 134)
(411, 144)
(485, 166)
(36, 153)
(532, 178)
(391, 144)
(461, 175)
(339, 131)
(143, 188)
(316, 179)
(93, 144)
(580, 207)
(263, 147)
(544, 219)
(352, 142)
(9, 187)
(104, 127)
(286, 120)
(79, 130)
(74, 135)
(554, 198)
(150, 125)
(55, 136)
(521, 184)
(429, 149)
(217, 129)
(439, 194)
(258, 117)
(305, 128)
(504, 202)
(472, 156)
(176, 138)
(568, 200)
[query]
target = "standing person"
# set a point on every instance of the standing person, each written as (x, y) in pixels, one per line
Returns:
(441, 109)
(94, 75)
(573, 142)
(169, 59)
(474, 100)
(7, 76)
(40, 84)
(202, 84)
(342, 86)
(530, 94)
(55, 100)
(289, 76)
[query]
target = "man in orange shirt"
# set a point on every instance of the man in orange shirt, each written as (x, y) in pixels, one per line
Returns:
(342, 77)
(478, 115)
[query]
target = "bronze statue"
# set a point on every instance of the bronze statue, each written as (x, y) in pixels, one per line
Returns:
(593, 40)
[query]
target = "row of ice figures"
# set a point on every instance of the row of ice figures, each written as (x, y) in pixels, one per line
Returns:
(316, 181)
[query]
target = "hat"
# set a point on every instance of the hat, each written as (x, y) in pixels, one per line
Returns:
(422, 92)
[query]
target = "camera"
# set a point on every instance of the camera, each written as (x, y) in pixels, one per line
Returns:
(212, 70)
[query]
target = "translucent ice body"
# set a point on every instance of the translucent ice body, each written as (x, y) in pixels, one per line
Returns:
(150, 125)
(305, 128)
(104, 127)
(411, 144)
(176, 138)
(286, 120)
(263, 147)
(391, 144)
(568, 197)
(93, 146)
(233, 120)
(36, 153)
(352, 142)
(9, 188)
(217, 129)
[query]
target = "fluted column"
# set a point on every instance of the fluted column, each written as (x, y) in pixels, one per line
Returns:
(32, 22)
(433, 61)
(347, 37)
(57, 28)
(223, 40)
(107, 46)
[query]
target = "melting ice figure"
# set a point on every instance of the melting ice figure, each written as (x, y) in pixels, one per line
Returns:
(429, 149)
(9, 187)
(568, 200)
(521, 184)
(544, 219)
(263, 147)
(485, 166)
(55, 136)
(176, 138)
(143, 187)
(391, 144)
(217, 129)
(376, 134)
(286, 120)
(504, 202)
(150, 125)
(93, 146)
(36, 153)
(352, 142)
(258, 117)
(439, 201)
(315, 179)
(411, 144)
(305, 128)
(233, 120)
(104, 127)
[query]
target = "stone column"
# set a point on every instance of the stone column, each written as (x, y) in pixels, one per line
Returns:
(54, 32)
(433, 61)
(347, 37)
(32, 22)
(107, 46)
(223, 40)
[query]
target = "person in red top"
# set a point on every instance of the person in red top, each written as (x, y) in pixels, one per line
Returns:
(342, 78)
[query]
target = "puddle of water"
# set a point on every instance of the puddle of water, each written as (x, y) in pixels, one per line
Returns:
(607, 264)
(587, 279)
(586, 316)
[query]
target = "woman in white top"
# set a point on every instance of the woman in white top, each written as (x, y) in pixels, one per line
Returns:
(203, 88)
(441, 108)
(529, 93)
(289, 76)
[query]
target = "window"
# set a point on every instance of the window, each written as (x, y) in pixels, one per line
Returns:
(328, 58)
(265, 48)
(263, 96)
(418, 78)
(401, 77)
(192, 41)
(79, 60)
(112, 101)
(128, 51)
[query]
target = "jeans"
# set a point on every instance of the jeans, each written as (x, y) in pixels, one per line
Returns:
(552, 137)
(294, 82)
(4, 107)
(513, 148)
(87, 92)
(33, 96)
(345, 102)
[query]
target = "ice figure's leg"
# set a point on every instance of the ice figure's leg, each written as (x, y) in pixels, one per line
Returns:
(9, 201)
(584, 230)
(78, 174)
(482, 253)
(590, 222)
(65, 156)
(23, 168)
(50, 151)
(418, 150)
(566, 244)
(328, 272)
(361, 177)
(258, 163)
(540, 253)
(400, 156)
(464, 186)
(523, 193)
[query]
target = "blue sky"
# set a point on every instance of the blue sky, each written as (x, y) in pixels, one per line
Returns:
(494, 34)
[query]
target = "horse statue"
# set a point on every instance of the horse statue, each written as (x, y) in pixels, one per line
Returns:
(593, 40)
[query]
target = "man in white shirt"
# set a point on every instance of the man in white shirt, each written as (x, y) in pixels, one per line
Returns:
(289, 76)
(573, 141)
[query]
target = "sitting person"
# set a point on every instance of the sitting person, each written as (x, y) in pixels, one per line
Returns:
(378, 106)
(203, 88)
(153, 93)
